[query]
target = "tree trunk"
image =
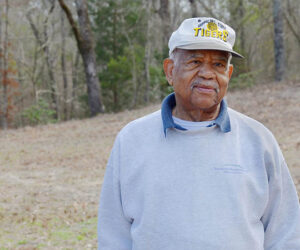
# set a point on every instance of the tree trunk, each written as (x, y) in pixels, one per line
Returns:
(84, 39)
(21, 84)
(241, 13)
(75, 70)
(49, 62)
(278, 40)
(147, 52)
(207, 8)
(1, 73)
(114, 55)
(4, 111)
(33, 78)
(133, 72)
(115, 97)
(244, 65)
(63, 66)
(290, 15)
(193, 5)
(164, 14)
(236, 9)
(44, 44)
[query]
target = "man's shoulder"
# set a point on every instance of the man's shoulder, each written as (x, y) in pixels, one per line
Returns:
(249, 124)
(240, 117)
(144, 125)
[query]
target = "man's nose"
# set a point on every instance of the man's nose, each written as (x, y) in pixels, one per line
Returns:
(206, 71)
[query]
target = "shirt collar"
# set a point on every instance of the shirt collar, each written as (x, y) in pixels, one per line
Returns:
(169, 103)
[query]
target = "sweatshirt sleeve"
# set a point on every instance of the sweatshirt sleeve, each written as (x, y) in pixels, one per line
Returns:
(113, 226)
(282, 215)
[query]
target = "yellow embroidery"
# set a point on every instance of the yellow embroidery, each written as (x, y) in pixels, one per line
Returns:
(196, 31)
(225, 34)
(207, 33)
(202, 32)
(219, 34)
(212, 26)
(212, 31)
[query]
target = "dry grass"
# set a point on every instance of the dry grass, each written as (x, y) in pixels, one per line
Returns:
(50, 176)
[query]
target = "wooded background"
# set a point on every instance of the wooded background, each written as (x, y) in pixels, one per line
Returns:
(64, 59)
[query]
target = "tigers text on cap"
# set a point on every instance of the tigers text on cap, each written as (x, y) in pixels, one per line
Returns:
(203, 33)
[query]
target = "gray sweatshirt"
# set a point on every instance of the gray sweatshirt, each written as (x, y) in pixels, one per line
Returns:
(222, 187)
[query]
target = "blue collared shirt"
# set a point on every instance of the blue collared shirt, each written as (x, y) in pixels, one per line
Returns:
(169, 103)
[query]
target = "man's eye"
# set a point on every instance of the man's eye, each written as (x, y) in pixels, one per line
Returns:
(219, 64)
(193, 63)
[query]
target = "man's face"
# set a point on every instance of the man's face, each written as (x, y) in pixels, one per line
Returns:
(199, 78)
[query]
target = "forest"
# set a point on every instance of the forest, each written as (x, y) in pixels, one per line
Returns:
(64, 59)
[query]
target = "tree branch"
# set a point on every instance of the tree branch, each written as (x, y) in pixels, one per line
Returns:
(292, 27)
(34, 29)
(207, 9)
(49, 12)
(72, 23)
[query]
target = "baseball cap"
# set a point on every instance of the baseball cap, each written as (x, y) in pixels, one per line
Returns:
(203, 33)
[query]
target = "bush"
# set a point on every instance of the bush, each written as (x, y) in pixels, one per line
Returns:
(244, 80)
(39, 113)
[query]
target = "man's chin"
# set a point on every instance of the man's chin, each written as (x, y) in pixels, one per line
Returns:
(208, 106)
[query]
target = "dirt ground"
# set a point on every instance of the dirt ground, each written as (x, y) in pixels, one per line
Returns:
(51, 176)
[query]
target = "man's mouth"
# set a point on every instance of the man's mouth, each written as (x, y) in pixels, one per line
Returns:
(204, 88)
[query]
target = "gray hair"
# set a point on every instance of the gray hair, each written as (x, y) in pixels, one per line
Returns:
(173, 56)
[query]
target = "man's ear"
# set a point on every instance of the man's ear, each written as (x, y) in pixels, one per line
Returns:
(230, 70)
(168, 69)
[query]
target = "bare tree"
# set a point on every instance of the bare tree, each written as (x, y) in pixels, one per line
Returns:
(193, 4)
(75, 76)
(291, 20)
(46, 59)
(148, 50)
(238, 19)
(3, 66)
(85, 43)
(164, 14)
(208, 9)
(43, 41)
(63, 65)
(2, 118)
(278, 40)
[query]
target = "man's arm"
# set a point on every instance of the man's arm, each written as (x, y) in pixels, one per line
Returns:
(282, 215)
(113, 227)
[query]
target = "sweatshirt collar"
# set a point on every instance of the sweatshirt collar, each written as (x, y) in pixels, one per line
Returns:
(169, 103)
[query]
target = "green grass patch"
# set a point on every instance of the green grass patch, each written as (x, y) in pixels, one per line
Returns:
(22, 242)
(62, 235)
(82, 232)
(56, 233)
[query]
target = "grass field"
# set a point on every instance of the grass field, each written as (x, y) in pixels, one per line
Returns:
(51, 176)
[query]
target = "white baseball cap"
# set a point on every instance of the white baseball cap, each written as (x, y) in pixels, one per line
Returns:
(203, 33)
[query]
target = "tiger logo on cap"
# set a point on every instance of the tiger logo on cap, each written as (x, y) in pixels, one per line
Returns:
(211, 31)
(212, 26)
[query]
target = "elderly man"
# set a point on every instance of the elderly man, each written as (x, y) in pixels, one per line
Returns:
(197, 175)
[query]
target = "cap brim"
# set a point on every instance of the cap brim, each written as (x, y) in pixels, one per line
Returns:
(209, 46)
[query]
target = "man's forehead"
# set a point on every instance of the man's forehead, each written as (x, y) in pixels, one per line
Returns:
(202, 53)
